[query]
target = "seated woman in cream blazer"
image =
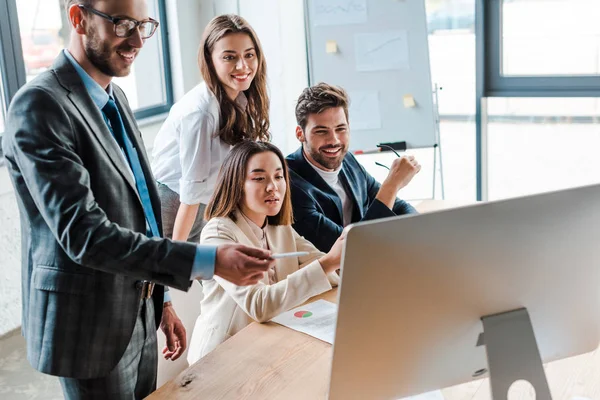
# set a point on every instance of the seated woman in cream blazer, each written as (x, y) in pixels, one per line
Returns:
(251, 205)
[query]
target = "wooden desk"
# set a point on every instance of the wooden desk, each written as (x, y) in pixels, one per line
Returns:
(269, 361)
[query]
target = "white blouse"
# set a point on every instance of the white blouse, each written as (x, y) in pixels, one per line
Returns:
(186, 155)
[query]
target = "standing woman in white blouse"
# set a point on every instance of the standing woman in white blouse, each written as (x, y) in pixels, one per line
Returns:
(230, 106)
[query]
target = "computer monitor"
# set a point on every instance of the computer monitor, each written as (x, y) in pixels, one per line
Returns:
(415, 288)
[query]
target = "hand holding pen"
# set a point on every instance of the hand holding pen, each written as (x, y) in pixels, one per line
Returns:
(402, 171)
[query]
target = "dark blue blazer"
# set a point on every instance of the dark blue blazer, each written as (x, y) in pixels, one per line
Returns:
(318, 209)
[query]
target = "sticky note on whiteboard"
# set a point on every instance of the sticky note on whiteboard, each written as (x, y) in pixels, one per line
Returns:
(409, 101)
(331, 46)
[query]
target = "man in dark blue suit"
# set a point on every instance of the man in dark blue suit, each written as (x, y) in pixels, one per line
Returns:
(330, 189)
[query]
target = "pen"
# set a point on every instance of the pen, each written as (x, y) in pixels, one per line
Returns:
(295, 254)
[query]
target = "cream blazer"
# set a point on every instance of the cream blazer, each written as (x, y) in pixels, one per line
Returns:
(227, 308)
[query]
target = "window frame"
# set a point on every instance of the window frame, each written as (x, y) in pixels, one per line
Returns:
(498, 85)
(12, 66)
(491, 83)
(147, 112)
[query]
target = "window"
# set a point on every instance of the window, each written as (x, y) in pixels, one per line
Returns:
(542, 144)
(149, 66)
(44, 32)
(539, 70)
(451, 26)
(2, 106)
(532, 48)
(557, 37)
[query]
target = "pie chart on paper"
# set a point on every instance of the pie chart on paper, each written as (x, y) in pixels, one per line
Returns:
(316, 319)
(303, 314)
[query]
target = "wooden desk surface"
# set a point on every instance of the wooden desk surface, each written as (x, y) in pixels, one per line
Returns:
(262, 361)
(269, 361)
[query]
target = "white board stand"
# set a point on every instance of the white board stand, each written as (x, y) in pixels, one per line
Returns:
(437, 147)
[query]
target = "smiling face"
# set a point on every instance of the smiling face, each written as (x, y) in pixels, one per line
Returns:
(325, 138)
(235, 61)
(264, 187)
(110, 55)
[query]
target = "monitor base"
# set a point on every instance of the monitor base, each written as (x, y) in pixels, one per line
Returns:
(513, 354)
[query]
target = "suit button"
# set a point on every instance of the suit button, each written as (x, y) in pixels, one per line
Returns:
(139, 285)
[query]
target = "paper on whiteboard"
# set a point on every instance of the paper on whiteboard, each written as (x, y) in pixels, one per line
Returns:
(381, 51)
(338, 12)
(316, 319)
(364, 109)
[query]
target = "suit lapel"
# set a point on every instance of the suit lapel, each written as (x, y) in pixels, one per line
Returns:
(252, 240)
(304, 169)
(276, 240)
(131, 127)
(93, 117)
(80, 98)
(241, 223)
(278, 243)
(349, 182)
(338, 204)
(138, 144)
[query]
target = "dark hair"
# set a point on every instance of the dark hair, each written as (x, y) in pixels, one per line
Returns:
(229, 190)
(236, 124)
(318, 98)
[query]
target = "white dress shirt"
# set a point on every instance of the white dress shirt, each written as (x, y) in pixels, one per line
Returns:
(187, 155)
(333, 180)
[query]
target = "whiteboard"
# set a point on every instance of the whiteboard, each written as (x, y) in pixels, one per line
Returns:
(377, 50)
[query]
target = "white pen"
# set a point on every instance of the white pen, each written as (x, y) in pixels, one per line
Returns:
(295, 254)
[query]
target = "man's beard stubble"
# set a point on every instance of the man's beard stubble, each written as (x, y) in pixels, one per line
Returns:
(328, 163)
(99, 54)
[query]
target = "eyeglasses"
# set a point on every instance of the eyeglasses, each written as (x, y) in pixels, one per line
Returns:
(389, 148)
(124, 27)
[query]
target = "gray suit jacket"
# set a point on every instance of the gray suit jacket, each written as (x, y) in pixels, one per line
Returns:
(82, 222)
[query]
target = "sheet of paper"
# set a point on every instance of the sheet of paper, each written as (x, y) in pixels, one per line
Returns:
(331, 46)
(364, 109)
(435, 395)
(381, 51)
(409, 101)
(316, 319)
(338, 12)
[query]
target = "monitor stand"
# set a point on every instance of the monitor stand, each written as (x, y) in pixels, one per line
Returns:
(512, 353)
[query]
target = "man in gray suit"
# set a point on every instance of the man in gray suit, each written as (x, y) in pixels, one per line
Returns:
(90, 217)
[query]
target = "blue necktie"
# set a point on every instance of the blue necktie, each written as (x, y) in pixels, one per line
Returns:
(118, 130)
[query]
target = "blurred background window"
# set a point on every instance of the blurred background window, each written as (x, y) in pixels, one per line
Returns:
(45, 32)
(2, 105)
(550, 37)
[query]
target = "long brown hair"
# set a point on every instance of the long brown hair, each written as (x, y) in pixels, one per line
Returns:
(229, 191)
(236, 124)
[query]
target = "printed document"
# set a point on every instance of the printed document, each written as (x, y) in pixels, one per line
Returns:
(316, 319)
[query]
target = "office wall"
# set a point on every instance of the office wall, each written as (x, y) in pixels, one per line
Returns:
(280, 27)
(10, 257)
